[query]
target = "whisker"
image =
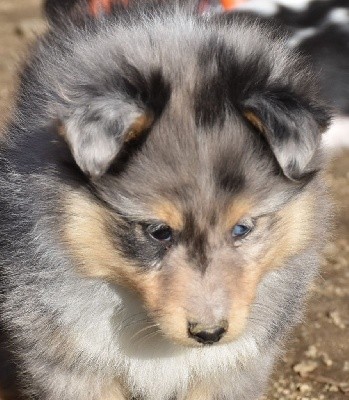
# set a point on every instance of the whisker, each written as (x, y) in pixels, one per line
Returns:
(148, 336)
(136, 322)
(143, 330)
(133, 316)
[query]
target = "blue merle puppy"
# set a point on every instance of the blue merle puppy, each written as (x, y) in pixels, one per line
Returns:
(161, 187)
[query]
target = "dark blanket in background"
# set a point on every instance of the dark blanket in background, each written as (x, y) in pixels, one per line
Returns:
(319, 29)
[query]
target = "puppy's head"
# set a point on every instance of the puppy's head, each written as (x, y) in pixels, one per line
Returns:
(200, 141)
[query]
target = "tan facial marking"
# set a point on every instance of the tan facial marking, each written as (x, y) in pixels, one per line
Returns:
(141, 124)
(294, 231)
(85, 232)
(243, 293)
(169, 214)
(255, 121)
(237, 210)
(87, 237)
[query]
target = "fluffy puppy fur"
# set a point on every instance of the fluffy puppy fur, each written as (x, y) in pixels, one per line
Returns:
(162, 206)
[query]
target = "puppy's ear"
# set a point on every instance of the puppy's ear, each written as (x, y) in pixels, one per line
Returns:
(292, 127)
(96, 133)
(100, 118)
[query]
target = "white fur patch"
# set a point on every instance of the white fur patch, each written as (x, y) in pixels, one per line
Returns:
(337, 137)
(159, 378)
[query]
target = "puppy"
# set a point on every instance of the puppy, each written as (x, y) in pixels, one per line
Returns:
(162, 205)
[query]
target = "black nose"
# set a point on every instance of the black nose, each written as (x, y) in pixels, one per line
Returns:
(207, 334)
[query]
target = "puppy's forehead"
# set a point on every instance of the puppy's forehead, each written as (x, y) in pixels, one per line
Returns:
(184, 173)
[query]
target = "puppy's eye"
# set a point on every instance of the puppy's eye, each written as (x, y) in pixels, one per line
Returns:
(161, 233)
(241, 230)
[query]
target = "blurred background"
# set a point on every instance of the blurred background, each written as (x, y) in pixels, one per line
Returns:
(315, 364)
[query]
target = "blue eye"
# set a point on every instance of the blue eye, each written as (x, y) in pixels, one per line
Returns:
(240, 230)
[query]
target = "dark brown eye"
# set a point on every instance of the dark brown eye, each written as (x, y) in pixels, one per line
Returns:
(161, 233)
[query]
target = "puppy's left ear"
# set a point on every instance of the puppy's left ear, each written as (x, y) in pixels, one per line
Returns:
(292, 127)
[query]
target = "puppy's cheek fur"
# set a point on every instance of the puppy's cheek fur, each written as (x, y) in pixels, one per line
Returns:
(293, 232)
(85, 234)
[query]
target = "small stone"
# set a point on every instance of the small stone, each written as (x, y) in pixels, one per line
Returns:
(326, 359)
(304, 388)
(336, 319)
(333, 388)
(305, 367)
(311, 352)
(329, 387)
(346, 366)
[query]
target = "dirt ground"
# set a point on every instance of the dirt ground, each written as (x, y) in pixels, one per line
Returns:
(316, 361)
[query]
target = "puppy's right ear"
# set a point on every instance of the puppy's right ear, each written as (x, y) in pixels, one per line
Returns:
(96, 132)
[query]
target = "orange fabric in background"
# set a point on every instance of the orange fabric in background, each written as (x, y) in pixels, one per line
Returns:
(104, 6)
(98, 6)
(231, 4)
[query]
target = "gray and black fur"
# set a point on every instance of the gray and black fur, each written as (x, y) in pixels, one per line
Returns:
(230, 113)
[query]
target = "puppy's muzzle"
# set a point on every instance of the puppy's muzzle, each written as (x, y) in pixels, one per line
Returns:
(207, 334)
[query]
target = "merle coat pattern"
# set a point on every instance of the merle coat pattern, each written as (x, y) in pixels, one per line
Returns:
(142, 143)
